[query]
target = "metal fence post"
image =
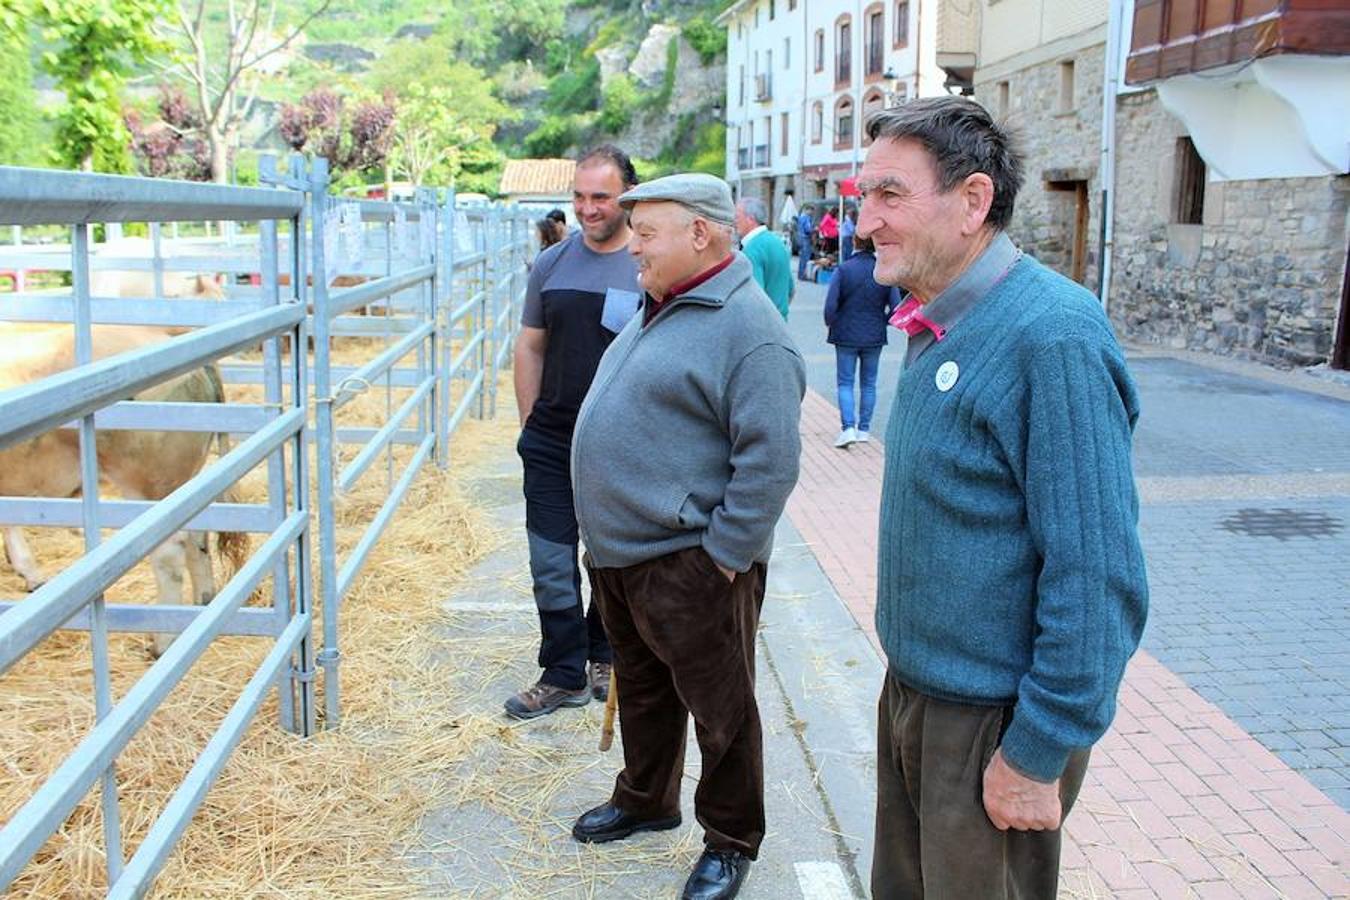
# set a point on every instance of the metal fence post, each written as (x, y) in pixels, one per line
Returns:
(444, 332)
(330, 656)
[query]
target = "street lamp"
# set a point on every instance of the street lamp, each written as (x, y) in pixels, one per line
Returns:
(892, 82)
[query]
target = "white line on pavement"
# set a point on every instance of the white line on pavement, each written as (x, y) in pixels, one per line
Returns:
(822, 881)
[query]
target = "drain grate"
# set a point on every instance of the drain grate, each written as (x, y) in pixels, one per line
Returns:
(1282, 524)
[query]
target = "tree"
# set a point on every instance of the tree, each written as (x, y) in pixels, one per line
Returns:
(95, 44)
(19, 119)
(447, 116)
(173, 145)
(352, 139)
(222, 70)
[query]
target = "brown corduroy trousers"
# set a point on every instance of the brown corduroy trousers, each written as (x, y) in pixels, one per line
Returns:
(934, 840)
(684, 643)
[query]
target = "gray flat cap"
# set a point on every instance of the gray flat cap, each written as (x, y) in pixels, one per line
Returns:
(706, 195)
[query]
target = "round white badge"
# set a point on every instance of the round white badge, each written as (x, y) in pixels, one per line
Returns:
(947, 374)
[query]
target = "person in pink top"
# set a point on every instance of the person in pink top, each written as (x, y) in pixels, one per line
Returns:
(829, 231)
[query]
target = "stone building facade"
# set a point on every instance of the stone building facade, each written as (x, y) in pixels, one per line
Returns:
(1259, 276)
(1052, 101)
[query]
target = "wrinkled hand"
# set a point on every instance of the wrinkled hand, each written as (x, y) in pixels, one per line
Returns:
(1012, 800)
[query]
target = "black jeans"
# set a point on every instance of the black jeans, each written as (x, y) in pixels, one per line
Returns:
(568, 637)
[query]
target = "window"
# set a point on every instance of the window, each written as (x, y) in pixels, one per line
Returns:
(771, 10)
(787, 53)
(902, 23)
(756, 17)
(843, 51)
(817, 121)
(1191, 177)
(1003, 98)
(741, 86)
(820, 49)
(875, 37)
(1066, 86)
(843, 123)
(873, 102)
(783, 135)
(792, 4)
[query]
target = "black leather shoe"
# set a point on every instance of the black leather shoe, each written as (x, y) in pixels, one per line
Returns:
(717, 875)
(609, 823)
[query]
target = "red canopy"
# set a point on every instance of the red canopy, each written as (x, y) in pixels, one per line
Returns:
(849, 188)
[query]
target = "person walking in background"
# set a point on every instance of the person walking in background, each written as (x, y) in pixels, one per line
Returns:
(856, 310)
(769, 260)
(787, 218)
(580, 293)
(686, 450)
(829, 231)
(1011, 588)
(847, 229)
(805, 230)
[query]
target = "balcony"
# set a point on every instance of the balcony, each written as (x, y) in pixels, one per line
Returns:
(763, 88)
(957, 39)
(1179, 37)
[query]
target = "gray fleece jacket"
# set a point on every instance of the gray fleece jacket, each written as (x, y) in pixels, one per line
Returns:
(689, 435)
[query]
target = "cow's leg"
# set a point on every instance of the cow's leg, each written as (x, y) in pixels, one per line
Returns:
(168, 561)
(198, 549)
(21, 559)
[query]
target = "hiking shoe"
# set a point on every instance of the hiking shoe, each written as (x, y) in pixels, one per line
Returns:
(542, 699)
(846, 437)
(600, 680)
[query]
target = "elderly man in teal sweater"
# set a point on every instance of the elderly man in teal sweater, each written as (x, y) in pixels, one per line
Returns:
(769, 260)
(1010, 588)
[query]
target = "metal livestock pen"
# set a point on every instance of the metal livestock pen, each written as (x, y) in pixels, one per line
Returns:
(449, 284)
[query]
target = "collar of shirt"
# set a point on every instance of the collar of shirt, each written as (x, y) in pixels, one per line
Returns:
(754, 233)
(941, 314)
(655, 306)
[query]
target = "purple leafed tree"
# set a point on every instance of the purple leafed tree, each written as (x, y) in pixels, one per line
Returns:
(351, 138)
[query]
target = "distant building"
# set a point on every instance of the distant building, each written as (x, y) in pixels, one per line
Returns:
(538, 183)
(803, 74)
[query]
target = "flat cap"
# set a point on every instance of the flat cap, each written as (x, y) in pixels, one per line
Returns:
(706, 195)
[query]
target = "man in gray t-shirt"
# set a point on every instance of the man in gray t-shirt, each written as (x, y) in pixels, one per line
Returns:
(581, 292)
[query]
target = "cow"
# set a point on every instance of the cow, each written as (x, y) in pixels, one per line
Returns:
(141, 283)
(142, 465)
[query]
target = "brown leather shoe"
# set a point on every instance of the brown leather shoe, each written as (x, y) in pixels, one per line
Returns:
(542, 699)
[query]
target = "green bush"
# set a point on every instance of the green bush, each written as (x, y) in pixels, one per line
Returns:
(575, 91)
(708, 39)
(620, 101)
(552, 138)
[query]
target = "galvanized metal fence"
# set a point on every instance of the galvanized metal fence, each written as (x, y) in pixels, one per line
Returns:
(448, 283)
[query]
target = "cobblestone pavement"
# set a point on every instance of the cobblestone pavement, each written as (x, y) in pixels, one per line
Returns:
(1227, 770)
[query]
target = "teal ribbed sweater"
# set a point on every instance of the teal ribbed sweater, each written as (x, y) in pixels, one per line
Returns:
(1010, 568)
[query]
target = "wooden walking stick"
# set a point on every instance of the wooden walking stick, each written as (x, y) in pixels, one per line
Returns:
(611, 706)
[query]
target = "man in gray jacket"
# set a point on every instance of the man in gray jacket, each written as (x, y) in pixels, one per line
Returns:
(685, 451)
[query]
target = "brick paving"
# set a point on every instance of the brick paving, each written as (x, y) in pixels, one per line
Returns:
(1180, 800)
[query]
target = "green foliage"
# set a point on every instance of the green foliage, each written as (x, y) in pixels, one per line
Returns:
(708, 39)
(95, 45)
(575, 91)
(20, 134)
(445, 127)
(552, 138)
(620, 101)
(610, 33)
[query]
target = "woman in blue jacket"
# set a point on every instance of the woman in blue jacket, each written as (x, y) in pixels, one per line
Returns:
(856, 310)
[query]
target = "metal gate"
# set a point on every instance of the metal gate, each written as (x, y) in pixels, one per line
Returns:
(450, 285)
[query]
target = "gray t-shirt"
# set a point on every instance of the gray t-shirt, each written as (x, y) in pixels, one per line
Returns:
(582, 299)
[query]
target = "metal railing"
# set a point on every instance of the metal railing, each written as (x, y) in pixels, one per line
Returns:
(449, 284)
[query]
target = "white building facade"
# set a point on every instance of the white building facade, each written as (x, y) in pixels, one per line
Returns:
(803, 75)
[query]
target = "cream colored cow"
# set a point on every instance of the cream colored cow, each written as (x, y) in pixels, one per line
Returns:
(142, 465)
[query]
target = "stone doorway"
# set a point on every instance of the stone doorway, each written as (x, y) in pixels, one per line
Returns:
(1340, 355)
(1066, 249)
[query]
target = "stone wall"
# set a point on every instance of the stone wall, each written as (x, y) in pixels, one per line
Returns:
(1259, 278)
(1059, 147)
